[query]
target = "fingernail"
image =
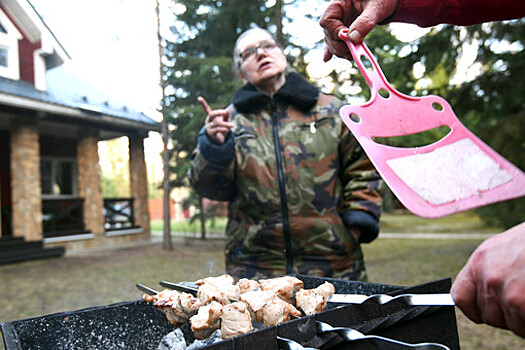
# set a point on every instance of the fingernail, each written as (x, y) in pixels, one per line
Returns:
(355, 37)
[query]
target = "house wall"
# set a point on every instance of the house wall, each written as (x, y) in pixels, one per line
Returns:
(26, 51)
(25, 182)
(27, 61)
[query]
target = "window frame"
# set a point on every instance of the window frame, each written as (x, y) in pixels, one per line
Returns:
(9, 41)
(74, 177)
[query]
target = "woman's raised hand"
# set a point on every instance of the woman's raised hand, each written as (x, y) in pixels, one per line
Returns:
(217, 122)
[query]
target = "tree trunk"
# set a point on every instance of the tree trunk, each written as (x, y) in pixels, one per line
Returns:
(166, 243)
(278, 13)
(202, 218)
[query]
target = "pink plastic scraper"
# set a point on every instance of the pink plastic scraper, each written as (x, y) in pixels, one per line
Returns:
(456, 173)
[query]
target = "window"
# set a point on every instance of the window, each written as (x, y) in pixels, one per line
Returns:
(58, 177)
(9, 39)
(4, 53)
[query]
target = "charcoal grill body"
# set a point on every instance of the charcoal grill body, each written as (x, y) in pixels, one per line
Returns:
(138, 325)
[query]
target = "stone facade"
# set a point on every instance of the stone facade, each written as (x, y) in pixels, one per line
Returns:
(90, 189)
(90, 185)
(139, 181)
(25, 182)
(26, 191)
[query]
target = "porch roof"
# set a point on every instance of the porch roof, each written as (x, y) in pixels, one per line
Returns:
(78, 97)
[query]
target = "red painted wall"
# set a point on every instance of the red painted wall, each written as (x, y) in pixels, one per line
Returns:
(156, 209)
(26, 54)
(27, 62)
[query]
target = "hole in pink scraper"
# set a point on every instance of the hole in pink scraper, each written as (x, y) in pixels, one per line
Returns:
(437, 106)
(419, 139)
(366, 63)
(383, 93)
(354, 117)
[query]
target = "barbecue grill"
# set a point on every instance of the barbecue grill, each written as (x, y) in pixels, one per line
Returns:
(138, 325)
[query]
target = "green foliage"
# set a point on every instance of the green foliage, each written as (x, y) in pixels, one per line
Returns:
(109, 188)
(155, 190)
(490, 104)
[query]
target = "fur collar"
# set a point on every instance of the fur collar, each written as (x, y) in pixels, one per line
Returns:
(296, 91)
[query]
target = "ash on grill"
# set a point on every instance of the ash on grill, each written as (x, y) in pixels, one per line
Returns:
(175, 341)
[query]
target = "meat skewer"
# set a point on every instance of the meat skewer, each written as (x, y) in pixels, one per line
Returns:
(178, 307)
(220, 303)
(180, 287)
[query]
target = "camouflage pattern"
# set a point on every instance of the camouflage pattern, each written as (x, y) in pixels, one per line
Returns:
(326, 173)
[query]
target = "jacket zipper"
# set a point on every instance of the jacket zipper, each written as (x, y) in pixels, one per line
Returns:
(282, 188)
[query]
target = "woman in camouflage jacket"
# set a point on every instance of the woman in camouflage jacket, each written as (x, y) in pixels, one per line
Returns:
(302, 194)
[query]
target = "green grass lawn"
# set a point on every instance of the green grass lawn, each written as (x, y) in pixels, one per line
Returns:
(42, 287)
(402, 222)
(216, 226)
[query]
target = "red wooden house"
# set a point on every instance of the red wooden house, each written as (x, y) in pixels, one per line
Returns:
(50, 123)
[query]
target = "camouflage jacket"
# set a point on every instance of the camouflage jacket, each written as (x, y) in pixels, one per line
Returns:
(302, 194)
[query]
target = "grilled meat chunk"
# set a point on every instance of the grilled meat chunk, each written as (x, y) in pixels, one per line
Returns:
(256, 300)
(284, 287)
(314, 300)
(246, 285)
(277, 311)
(235, 320)
(177, 306)
(219, 280)
(221, 289)
(207, 320)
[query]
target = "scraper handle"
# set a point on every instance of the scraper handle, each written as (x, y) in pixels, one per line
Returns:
(374, 76)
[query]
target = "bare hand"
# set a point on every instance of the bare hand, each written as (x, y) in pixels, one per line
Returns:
(491, 286)
(359, 16)
(217, 122)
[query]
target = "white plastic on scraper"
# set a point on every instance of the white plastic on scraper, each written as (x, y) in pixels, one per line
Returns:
(468, 161)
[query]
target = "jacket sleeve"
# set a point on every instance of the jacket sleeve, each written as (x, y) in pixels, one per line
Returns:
(426, 13)
(211, 173)
(361, 198)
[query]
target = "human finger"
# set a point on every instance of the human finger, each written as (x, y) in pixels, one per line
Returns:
(464, 293)
(371, 13)
(204, 104)
(333, 21)
(512, 297)
(513, 310)
(219, 117)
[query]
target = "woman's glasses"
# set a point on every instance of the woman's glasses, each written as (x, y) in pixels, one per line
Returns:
(252, 51)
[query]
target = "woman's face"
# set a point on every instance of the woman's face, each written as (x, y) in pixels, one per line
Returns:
(262, 61)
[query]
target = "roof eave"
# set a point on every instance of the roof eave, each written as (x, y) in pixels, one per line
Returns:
(77, 113)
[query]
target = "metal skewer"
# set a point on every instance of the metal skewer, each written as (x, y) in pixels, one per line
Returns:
(145, 289)
(179, 287)
(382, 343)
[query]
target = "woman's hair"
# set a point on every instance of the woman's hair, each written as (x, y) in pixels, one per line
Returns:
(236, 53)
